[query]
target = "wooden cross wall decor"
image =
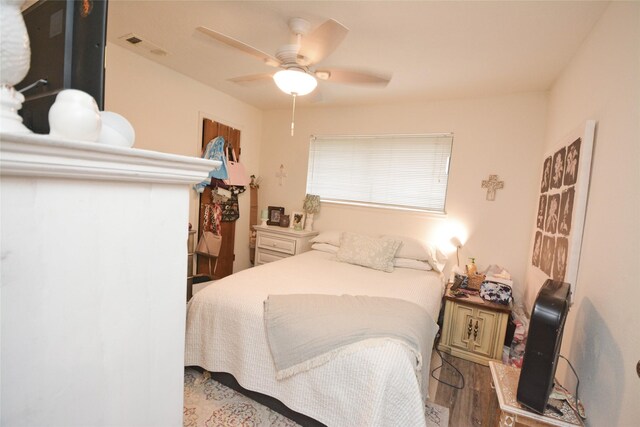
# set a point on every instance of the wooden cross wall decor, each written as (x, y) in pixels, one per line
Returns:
(281, 175)
(492, 184)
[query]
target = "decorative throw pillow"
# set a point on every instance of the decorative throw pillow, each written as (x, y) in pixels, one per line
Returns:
(368, 251)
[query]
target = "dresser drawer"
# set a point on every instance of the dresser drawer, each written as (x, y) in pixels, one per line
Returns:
(287, 246)
(263, 257)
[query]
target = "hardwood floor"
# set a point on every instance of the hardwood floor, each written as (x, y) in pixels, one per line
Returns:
(476, 404)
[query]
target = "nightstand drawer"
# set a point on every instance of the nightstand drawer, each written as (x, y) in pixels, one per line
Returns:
(287, 246)
(263, 257)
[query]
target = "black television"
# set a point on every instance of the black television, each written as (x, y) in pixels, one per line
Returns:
(68, 39)
(543, 345)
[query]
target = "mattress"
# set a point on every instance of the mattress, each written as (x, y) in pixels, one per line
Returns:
(375, 386)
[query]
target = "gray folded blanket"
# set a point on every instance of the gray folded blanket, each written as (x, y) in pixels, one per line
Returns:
(305, 330)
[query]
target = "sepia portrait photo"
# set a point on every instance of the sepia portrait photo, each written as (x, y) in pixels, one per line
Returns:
(542, 210)
(548, 249)
(546, 175)
(553, 208)
(572, 163)
(566, 211)
(537, 249)
(560, 259)
(557, 169)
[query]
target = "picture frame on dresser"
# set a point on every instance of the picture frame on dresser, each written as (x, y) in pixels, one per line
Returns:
(274, 215)
(297, 220)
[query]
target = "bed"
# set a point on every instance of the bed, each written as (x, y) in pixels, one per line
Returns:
(377, 385)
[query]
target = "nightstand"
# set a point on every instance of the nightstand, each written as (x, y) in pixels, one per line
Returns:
(274, 243)
(473, 328)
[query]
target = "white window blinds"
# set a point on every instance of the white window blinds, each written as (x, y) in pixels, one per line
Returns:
(407, 171)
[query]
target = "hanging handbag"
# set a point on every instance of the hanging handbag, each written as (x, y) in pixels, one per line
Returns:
(209, 246)
(238, 175)
(209, 243)
(214, 151)
(230, 209)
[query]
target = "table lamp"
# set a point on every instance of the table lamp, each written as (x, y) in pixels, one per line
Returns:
(311, 206)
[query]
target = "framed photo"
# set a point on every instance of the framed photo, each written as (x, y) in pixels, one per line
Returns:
(562, 203)
(297, 220)
(274, 215)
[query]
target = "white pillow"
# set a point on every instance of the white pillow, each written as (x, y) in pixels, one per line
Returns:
(368, 251)
(437, 259)
(410, 248)
(330, 237)
(325, 247)
(414, 249)
(412, 263)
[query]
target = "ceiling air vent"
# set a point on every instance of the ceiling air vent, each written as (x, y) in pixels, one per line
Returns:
(137, 42)
(134, 40)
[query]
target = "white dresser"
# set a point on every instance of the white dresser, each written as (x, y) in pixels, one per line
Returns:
(93, 282)
(274, 243)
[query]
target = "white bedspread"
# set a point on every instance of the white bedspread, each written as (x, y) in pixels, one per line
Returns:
(376, 386)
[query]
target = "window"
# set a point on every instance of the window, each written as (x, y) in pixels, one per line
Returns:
(402, 171)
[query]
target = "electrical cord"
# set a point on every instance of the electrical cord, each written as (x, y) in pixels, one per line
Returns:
(455, 369)
(577, 408)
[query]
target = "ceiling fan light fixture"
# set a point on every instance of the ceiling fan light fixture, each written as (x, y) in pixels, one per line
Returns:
(295, 82)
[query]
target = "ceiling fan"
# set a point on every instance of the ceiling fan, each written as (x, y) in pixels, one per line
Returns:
(297, 60)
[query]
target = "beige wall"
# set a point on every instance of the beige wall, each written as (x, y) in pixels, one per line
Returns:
(166, 110)
(506, 136)
(602, 82)
(491, 136)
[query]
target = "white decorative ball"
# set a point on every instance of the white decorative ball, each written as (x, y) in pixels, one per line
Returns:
(116, 130)
(75, 115)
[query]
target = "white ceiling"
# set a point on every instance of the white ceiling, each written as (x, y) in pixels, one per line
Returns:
(433, 49)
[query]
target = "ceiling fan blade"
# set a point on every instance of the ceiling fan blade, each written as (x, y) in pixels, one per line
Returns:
(237, 44)
(323, 41)
(335, 75)
(252, 79)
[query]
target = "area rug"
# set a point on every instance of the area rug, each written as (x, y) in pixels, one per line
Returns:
(207, 403)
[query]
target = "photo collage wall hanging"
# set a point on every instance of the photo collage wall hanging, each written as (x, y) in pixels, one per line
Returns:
(561, 209)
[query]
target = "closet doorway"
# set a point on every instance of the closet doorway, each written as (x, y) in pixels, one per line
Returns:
(224, 266)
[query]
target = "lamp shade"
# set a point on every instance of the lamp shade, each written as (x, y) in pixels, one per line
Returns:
(295, 81)
(311, 204)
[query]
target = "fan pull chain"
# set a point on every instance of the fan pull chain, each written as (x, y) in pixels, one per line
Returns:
(293, 112)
